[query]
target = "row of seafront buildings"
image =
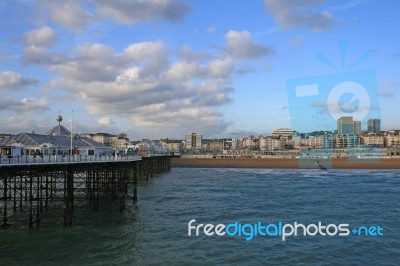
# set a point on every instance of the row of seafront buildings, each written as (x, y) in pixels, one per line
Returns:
(347, 141)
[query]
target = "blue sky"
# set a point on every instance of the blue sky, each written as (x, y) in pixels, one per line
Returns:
(166, 68)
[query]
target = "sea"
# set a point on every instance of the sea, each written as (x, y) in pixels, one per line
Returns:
(243, 213)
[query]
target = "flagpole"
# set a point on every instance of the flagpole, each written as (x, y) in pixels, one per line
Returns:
(72, 123)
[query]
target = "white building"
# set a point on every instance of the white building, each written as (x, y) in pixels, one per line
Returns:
(237, 143)
(263, 144)
(283, 132)
(272, 143)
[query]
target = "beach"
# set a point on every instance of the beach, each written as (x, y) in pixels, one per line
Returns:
(287, 163)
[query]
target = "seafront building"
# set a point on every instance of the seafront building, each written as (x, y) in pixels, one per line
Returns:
(283, 132)
(345, 125)
(357, 127)
(272, 143)
(119, 142)
(237, 143)
(172, 145)
(251, 142)
(313, 142)
(374, 125)
(373, 139)
(216, 145)
(392, 138)
(103, 138)
(193, 141)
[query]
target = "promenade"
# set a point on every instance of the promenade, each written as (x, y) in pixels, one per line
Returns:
(288, 163)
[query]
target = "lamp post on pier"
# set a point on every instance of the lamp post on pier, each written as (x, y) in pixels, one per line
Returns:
(72, 123)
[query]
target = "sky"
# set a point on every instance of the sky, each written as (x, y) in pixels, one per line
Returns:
(167, 68)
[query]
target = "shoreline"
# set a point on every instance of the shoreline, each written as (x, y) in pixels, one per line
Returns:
(287, 163)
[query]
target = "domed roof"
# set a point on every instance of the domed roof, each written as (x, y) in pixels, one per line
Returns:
(59, 131)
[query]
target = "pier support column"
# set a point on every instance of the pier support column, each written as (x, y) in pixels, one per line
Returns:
(121, 189)
(38, 200)
(68, 196)
(135, 176)
(152, 163)
(30, 201)
(96, 183)
(4, 221)
(15, 194)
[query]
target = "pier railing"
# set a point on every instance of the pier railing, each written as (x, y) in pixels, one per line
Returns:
(37, 159)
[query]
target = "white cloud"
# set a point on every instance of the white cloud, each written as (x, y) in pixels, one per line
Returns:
(77, 14)
(143, 83)
(290, 14)
(99, 62)
(17, 124)
(42, 56)
(69, 13)
(131, 75)
(144, 87)
(145, 50)
(29, 105)
(221, 67)
(10, 80)
(188, 55)
(8, 104)
(37, 45)
(95, 62)
(105, 121)
(182, 70)
(151, 56)
(25, 105)
(186, 119)
(242, 46)
(130, 11)
(42, 37)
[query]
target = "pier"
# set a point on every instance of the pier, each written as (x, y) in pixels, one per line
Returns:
(29, 190)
